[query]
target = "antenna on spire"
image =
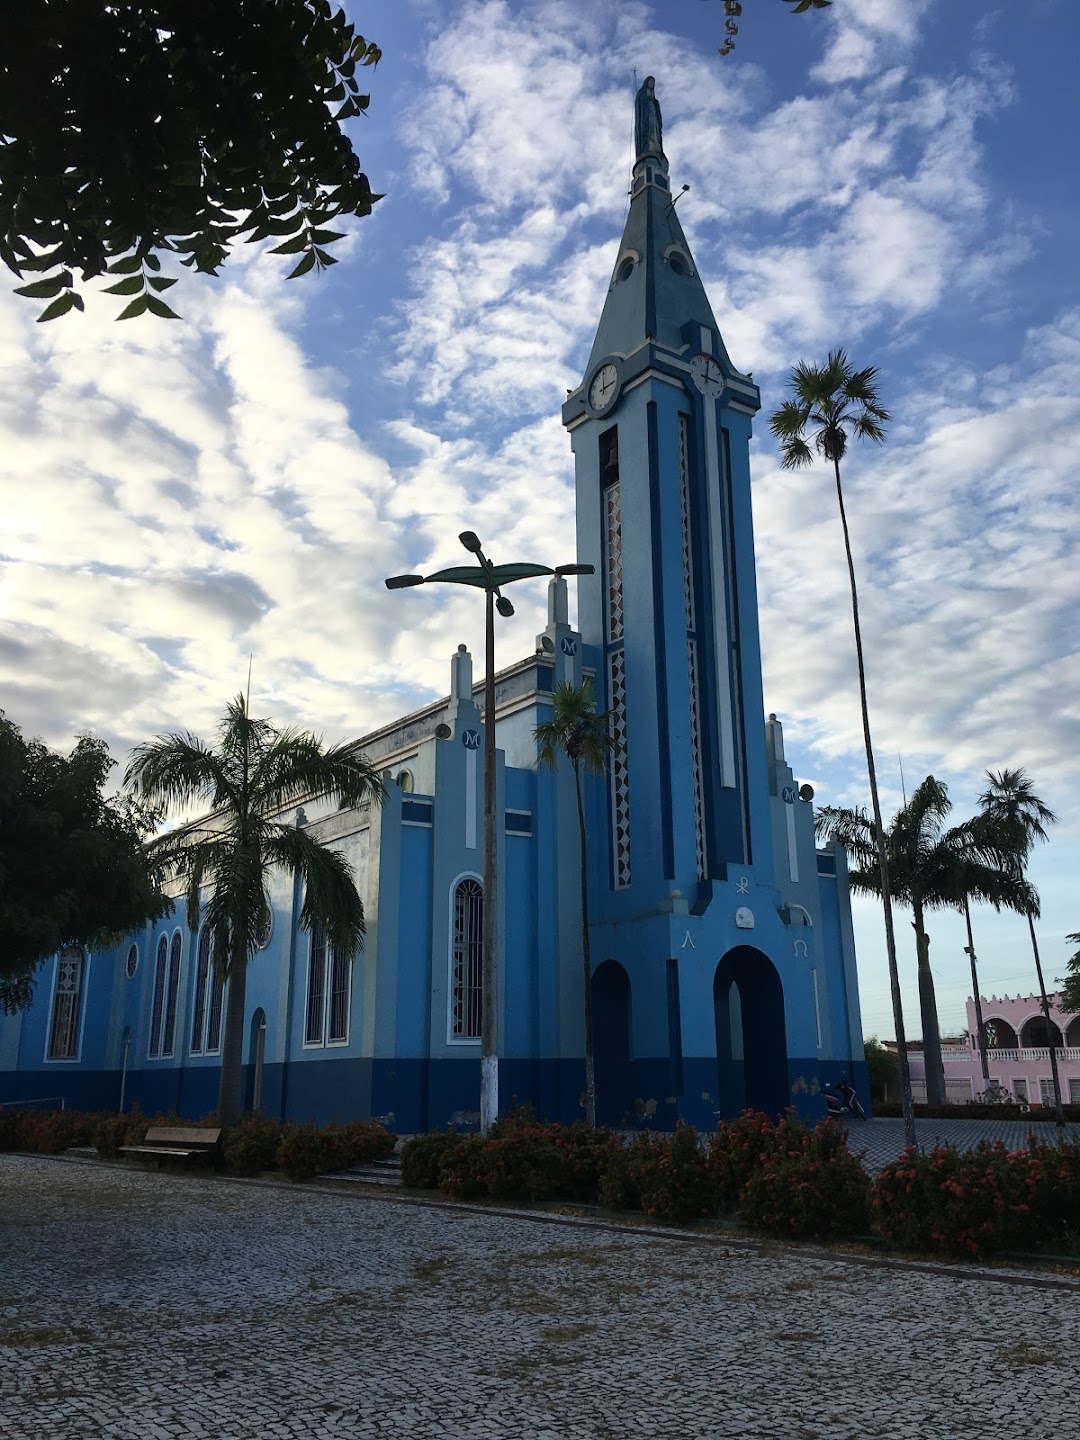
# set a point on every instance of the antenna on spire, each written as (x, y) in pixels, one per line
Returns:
(903, 787)
(247, 698)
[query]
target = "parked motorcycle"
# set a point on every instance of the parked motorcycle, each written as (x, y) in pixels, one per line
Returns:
(841, 1101)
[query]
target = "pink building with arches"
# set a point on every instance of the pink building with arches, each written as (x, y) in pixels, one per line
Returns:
(1018, 1052)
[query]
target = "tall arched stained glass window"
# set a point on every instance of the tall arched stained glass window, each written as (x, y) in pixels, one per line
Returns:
(468, 941)
(168, 1032)
(157, 1008)
(67, 1005)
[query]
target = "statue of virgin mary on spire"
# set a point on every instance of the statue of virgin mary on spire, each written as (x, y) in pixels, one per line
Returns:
(648, 127)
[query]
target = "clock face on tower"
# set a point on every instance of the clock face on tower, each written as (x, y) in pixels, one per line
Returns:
(604, 389)
(707, 375)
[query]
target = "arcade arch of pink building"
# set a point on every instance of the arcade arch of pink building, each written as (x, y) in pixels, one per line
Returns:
(1018, 1053)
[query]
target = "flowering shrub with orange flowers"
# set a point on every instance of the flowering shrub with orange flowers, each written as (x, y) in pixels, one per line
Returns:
(307, 1150)
(667, 1176)
(981, 1201)
(808, 1183)
(521, 1158)
(740, 1148)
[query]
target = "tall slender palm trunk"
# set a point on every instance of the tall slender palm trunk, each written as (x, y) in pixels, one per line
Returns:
(935, 1070)
(906, 1101)
(1059, 1114)
(983, 1058)
(230, 1091)
(590, 1063)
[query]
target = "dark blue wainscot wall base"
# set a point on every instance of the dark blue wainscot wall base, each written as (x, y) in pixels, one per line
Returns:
(79, 1089)
(411, 1096)
(715, 1090)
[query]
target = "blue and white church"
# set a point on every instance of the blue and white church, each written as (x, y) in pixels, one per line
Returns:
(723, 963)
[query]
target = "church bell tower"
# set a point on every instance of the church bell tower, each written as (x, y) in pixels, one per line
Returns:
(660, 429)
(723, 968)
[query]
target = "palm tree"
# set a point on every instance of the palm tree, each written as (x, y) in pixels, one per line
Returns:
(831, 400)
(1010, 804)
(578, 732)
(930, 868)
(253, 775)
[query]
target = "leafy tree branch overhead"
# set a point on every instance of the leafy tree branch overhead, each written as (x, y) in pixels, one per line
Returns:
(136, 129)
(733, 9)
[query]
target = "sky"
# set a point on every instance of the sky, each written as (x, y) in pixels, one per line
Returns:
(887, 176)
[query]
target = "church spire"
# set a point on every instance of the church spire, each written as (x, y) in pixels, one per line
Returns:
(655, 290)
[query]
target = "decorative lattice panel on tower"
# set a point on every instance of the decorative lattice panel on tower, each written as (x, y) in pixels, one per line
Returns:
(692, 647)
(616, 677)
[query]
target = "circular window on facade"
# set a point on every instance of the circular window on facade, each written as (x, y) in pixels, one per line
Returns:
(266, 929)
(679, 263)
(132, 962)
(626, 269)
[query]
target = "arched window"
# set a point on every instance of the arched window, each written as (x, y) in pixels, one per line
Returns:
(329, 992)
(166, 990)
(207, 1001)
(316, 988)
(468, 942)
(67, 1005)
(157, 1008)
(168, 1036)
(198, 1007)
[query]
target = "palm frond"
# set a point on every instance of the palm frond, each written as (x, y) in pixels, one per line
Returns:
(829, 401)
(867, 427)
(174, 771)
(575, 729)
(294, 766)
(1011, 805)
(851, 829)
(330, 895)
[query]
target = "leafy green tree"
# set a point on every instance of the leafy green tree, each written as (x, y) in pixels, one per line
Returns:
(73, 870)
(254, 775)
(578, 732)
(882, 1068)
(133, 128)
(830, 401)
(1010, 803)
(1070, 992)
(930, 868)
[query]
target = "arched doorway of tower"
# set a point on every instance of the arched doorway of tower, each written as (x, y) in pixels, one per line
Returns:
(256, 1054)
(751, 1037)
(612, 1052)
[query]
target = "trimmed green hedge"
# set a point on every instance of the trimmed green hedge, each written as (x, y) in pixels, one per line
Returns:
(256, 1144)
(782, 1178)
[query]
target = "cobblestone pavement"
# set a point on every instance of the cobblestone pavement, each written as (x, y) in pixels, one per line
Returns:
(143, 1306)
(883, 1140)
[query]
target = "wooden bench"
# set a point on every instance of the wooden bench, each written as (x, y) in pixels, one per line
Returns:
(173, 1142)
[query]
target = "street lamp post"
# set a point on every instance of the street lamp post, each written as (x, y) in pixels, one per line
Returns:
(489, 578)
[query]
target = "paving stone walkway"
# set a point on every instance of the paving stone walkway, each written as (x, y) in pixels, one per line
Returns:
(144, 1306)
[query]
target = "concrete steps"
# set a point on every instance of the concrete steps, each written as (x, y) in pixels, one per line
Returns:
(385, 1173)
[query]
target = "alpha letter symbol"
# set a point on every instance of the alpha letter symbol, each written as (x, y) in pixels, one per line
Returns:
(689, 941)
